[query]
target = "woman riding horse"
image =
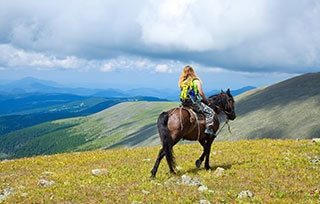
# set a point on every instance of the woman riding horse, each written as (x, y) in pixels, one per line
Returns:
(176, 124)
(193, 95)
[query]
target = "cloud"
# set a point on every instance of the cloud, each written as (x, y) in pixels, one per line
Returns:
(239, 35)
(15, 58)
(202, 25)
(163, 68)
(88, 29)
(247, 35)
(107, 67)
(19, 58)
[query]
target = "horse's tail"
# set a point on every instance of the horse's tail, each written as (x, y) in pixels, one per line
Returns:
(166, 139)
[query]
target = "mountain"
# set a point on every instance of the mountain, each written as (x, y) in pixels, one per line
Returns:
(242, 90)
(26, 110)
(35, 102)
(37, 109)
(30, 85)
(115, 93)
(288, 109)
(30, 101)
(123, 125)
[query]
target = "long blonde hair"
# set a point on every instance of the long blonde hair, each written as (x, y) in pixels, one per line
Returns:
(187, 74)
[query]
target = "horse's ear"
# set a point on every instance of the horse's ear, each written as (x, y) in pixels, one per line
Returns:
(228, 91)
(221, 91)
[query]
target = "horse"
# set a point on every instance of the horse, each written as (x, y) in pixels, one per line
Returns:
(183, 123)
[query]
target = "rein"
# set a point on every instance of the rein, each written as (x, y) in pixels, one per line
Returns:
(221, 109)
(226, 123)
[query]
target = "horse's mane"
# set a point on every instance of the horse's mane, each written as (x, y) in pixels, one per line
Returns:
(218, 100)
(218, 97)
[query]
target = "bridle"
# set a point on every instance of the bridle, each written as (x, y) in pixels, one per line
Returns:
(222, 109)
(225, 123)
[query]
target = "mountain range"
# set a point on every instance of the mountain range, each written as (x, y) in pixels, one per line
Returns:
(30, 101)
(30, 85)
(288, 109)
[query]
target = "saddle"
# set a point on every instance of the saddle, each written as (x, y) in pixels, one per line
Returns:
(195, 116)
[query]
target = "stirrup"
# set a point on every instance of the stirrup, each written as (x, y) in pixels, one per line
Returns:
(209, 132)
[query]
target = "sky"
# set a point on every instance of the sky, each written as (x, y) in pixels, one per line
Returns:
(146, 43)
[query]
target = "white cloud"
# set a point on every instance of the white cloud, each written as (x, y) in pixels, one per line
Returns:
(163, 68)
(170, 24)
(13, 57)
(260, 36)
(108, 67)
(203, 25)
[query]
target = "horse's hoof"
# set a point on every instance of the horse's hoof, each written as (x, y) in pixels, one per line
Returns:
(208, 168)
(198, 163)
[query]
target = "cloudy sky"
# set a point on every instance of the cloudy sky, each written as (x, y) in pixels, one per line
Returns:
(146, 43)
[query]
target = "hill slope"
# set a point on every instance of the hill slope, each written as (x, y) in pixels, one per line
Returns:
(289, 109)
(286, 171)
(20, 112)
(123, 125)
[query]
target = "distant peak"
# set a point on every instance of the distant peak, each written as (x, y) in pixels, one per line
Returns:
(31, 80)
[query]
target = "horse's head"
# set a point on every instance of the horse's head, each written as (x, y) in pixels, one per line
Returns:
(223, 102)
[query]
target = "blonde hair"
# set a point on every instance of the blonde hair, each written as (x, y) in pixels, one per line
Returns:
(187, 74)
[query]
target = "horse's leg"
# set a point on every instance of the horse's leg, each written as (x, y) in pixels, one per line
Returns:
(165, 151)
(171, 163)
(167, 141)
(208, 150)
(201, 158)
(156, 165)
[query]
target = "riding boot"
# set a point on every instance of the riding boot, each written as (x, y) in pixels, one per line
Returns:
(209, 131)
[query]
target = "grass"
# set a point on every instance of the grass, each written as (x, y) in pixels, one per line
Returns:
(275, 171)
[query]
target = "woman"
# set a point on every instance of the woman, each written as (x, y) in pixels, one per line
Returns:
(191, 92)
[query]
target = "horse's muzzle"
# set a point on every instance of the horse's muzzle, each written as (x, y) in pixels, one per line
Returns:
(232, 116)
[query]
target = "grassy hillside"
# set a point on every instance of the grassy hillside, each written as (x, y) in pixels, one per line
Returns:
(123, 125)
(255, 171)
(25, 110)
(289, 109)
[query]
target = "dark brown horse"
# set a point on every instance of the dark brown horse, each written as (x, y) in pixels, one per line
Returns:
(182, 123)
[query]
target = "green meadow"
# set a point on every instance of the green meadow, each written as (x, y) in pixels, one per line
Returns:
(272, 171)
